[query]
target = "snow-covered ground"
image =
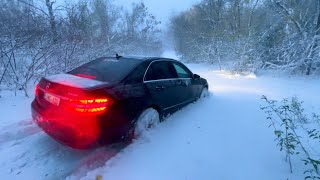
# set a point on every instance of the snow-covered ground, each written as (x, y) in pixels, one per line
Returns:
(222, 137)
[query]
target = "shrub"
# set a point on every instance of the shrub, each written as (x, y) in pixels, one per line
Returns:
(295, 133)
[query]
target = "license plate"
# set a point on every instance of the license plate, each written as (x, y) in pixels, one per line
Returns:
(52, 99)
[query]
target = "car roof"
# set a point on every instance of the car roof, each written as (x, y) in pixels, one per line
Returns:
(113, 69)
(141, 59)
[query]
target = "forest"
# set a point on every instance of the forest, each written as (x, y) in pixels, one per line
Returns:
(39, 38)
(252, 34)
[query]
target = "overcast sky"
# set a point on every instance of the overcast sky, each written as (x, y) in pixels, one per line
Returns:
(162, 8)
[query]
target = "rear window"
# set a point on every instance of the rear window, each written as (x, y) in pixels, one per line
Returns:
(106, 69)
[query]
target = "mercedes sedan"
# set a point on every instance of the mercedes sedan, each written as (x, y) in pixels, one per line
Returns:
(112, 99)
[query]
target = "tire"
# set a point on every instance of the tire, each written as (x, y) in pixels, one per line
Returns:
(149, 118)
(204, 93)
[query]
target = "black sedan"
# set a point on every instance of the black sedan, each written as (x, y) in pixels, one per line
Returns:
(113, 98)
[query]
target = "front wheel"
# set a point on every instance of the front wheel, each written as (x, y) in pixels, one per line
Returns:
(204, 93)
(149, 118)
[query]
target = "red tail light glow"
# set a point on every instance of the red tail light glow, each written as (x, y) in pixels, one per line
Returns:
(75, 100)
(91, 106)
(75, 119)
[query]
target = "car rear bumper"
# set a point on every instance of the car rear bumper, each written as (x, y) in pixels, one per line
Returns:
(80, 132)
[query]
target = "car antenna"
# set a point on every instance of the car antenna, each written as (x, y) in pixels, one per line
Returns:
(118, 57)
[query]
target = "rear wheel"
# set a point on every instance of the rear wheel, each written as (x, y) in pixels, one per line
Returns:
(149, 118)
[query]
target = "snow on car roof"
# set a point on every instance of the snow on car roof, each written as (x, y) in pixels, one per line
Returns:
(75, 81)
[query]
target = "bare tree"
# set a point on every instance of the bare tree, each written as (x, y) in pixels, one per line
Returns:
(253, 34)
(49, 5)
(39, 42)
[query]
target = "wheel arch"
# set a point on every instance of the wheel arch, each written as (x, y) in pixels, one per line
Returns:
(156, 107)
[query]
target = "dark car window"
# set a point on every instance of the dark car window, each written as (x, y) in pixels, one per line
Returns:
(182, 71)
(136, 76)
(107, 69)
(161, 70)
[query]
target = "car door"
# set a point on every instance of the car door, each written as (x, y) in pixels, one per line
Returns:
(160, 80)
(185, 85)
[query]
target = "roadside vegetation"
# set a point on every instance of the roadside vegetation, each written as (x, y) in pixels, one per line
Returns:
(39, 38)
(297, 134)
(251, 35)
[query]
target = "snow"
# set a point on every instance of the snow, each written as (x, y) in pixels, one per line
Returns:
(75, 81)
(170, 54)
(224, 136)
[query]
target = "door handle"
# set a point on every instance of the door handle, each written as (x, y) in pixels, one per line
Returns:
(183, 83)
(160, 88)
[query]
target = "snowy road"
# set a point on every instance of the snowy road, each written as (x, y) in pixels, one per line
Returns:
(223, 137)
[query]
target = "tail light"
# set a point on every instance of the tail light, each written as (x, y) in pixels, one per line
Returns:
(90, 105)
(71, 99)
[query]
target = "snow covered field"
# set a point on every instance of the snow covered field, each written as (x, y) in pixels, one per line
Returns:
(223, 137)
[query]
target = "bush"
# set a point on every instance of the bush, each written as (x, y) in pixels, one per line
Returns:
(295, 133)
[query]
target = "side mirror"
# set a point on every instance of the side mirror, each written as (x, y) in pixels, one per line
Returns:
(196, 76)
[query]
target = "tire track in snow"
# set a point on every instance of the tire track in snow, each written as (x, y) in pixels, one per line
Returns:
(17, 131)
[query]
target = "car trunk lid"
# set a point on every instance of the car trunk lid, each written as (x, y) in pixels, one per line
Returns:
(66, 91)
